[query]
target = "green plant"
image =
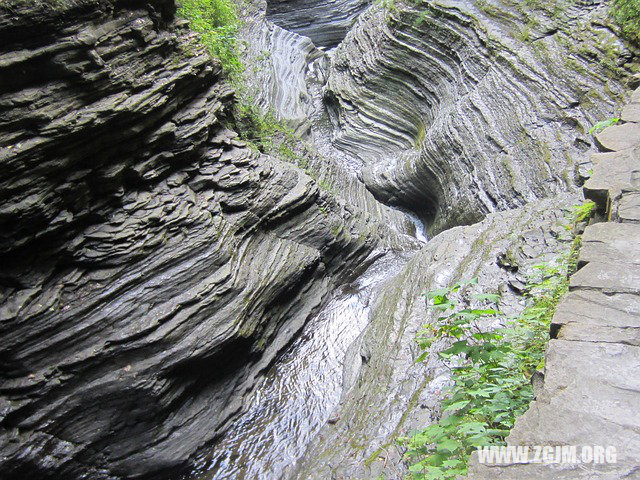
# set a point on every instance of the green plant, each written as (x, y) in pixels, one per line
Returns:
(263, 131)
(627, 14)
(217, 23)
(598, 127)
(491, 368)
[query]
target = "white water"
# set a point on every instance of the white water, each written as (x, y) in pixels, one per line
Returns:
(300, 392)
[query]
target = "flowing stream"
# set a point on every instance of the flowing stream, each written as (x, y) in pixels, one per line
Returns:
(301, 392)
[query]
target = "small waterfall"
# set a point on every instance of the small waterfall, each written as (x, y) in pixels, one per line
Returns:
(302, 390)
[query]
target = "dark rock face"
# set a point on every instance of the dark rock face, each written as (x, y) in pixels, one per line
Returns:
(326, 22)
(151, 263)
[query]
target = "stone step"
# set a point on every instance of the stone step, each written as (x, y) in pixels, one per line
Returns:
(629, 207)
(618, 137)
(604, 242)
(631, 113)
(613, 174)
(584, 403)
(592, 316)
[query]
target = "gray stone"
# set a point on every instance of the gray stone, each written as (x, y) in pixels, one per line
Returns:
(479, 471)
(398, 394)
(613, 172)
(577, 387)
(631, 113)
(593, 308)
(592, 316)
(326, 23)
(619, 137)
(609, 277)
(615, 242)
(629, 209)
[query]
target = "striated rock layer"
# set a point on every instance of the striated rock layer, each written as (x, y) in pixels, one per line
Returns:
(325, 22)
(287, 75)
(462, 108)
(451, 110)
(151, 263)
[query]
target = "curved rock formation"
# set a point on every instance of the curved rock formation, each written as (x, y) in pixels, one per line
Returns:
(286, 75)
(152, 264)
(326, 22)
(463, 108)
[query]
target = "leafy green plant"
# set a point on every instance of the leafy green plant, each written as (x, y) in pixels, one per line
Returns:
(598, 127)
(491, 368)
(627, 15)
(217, 23)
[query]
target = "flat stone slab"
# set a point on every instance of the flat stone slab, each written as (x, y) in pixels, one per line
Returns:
(594, 308)
(619, 137)
(602, 395)
(635, 96)
(618, 242)
(579, 333)
(631, 113)
(592, 316)
(608, 277)
(629, 209)
(613, 173)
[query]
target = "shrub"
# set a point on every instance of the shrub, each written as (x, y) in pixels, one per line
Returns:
(491, 368)
(217, 22)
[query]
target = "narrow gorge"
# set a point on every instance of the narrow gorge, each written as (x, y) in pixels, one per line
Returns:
(181, 300)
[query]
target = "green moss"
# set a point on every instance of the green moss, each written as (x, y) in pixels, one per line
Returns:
(627, 14)
(420, 135)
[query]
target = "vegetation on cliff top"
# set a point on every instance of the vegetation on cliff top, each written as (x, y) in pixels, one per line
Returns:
(217, 22)
(491, 368)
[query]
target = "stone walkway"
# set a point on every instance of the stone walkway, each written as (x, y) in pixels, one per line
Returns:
(591, 392)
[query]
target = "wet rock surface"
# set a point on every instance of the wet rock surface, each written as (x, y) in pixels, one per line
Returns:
(152, 264)
(458, 109)
(326, 23)
(154, 267)
(388, 395)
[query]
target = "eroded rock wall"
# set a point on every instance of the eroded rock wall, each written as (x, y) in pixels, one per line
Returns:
(325, 22)
(387, 394)
(463, 108)
(151, 263)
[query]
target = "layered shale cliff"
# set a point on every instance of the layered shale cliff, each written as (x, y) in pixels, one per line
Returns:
(459, 109)
(455, 111)
(151, 263)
